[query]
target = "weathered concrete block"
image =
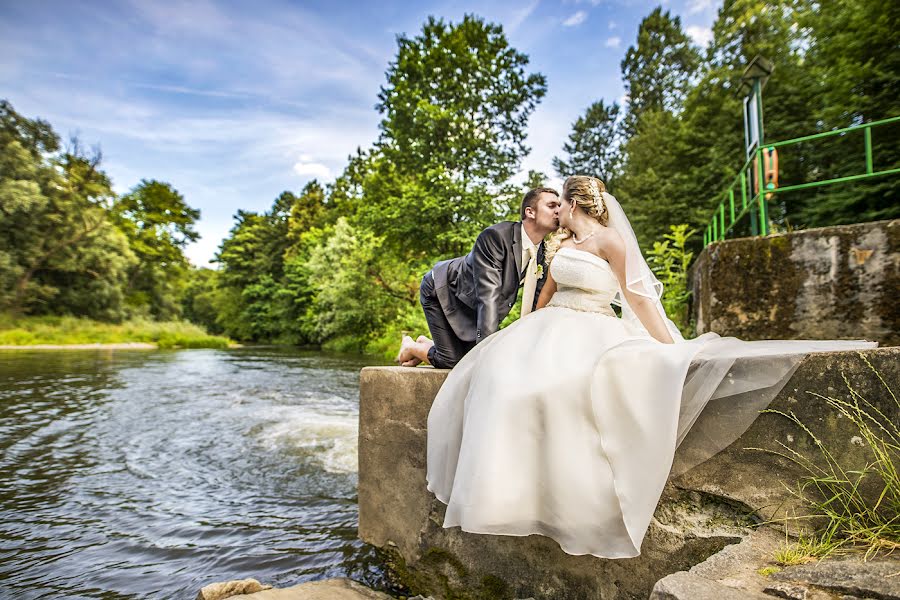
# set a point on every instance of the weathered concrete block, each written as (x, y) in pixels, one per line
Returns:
(756, 478)
(830, 283)
(393, 415)
(701, 511)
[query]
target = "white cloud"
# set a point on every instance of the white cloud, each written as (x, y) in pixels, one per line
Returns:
(696, 6)
(613, 25)
(576, 19)
(613, 42)
(702, 36)
(520, 16)
(312, 169)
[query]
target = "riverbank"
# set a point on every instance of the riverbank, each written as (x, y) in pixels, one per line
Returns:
(57, 333)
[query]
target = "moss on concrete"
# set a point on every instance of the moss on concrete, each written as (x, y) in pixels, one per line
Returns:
(830, 283)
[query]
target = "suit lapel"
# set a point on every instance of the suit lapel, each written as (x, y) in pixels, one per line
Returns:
(517, 247)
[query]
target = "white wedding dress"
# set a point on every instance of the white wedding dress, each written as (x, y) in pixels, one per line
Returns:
(566, 423)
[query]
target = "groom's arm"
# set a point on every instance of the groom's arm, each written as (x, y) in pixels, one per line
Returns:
(487, 265)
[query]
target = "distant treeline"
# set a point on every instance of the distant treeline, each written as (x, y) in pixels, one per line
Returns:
(339, 265)
(70, 246)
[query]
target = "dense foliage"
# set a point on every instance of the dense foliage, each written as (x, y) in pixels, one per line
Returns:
(70, 246)
(836, 65)
(340, 264)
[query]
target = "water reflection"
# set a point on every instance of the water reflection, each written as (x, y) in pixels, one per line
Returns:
(127, 474)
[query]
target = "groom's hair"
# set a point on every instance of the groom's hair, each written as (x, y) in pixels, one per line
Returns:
(531, 197)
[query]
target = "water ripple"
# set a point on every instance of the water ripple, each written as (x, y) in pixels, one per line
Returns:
(149, 475)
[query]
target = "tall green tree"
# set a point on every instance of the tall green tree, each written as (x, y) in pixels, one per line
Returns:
(592, 147)
(657, 163)
(454, 111)
(307, 211)
(659, 69)
(159, 224)
(852, 53)
(59, 251)
(458, 98)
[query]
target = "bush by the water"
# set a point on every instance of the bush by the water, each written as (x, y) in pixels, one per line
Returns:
(56, 330)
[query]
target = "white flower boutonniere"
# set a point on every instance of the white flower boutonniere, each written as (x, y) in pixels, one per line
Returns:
(539, 271)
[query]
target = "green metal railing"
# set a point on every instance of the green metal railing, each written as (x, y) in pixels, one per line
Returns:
(730, 212)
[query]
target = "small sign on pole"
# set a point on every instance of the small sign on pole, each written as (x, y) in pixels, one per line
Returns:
(753, 81)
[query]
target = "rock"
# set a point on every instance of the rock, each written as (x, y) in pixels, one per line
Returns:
(329, 589)
(229, 589)
(687, 586)
(871, 579)
(785, 590)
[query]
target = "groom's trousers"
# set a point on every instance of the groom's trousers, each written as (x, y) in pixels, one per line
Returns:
(448, 349)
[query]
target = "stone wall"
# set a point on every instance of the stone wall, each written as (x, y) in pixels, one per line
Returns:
(830, 283)
(701, 511)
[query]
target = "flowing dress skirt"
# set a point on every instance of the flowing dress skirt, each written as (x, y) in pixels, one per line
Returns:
(566, 423)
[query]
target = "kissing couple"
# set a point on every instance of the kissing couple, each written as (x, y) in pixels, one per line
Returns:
(566, 422)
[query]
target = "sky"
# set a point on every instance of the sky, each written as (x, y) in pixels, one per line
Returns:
(235, 102)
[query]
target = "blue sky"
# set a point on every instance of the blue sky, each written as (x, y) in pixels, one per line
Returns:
(235, 102)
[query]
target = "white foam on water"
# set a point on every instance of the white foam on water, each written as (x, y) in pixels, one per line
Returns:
(329, 438)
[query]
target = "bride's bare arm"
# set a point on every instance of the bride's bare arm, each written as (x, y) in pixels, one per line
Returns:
(643, 307)
(547, 291)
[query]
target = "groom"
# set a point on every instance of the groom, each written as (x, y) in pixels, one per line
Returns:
(465, 298)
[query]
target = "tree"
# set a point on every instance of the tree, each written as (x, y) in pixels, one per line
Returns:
(592, 148)
(853, 54)
(55, 233)
(658, 71)
(455, 107)
(159, 224)
(306, 212)
(457, 99)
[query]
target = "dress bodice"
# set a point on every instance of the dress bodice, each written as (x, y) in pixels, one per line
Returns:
(584, 281)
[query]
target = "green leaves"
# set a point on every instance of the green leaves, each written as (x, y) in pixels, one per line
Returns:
(592, 147)
(658, 70)
(457, 99)
(669, 260)
(69, 246)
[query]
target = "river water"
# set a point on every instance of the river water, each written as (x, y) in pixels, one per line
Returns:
(151, 474)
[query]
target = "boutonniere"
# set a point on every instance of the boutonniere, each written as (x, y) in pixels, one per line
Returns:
(539, 271)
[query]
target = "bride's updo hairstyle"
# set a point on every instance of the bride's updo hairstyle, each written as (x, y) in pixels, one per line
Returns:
(585, 193)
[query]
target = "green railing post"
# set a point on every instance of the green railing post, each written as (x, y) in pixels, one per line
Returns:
(743, 190)
(761, 190)
(753, 203)
(868, 135)
(722, 217)
(731, 201)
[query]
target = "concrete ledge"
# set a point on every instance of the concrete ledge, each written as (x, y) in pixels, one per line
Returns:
(820, 284)
(701, 511)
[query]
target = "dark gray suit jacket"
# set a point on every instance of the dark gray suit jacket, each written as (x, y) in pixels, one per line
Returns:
(478, 290)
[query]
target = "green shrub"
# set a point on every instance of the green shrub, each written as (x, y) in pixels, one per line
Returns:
(57, 330)
(669, 260)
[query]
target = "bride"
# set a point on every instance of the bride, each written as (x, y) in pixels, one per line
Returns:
(565, 423)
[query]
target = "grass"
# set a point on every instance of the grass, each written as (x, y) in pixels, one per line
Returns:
(860, 507)
(54, 330)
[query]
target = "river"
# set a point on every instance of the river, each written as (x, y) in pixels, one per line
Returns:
(151, 474)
